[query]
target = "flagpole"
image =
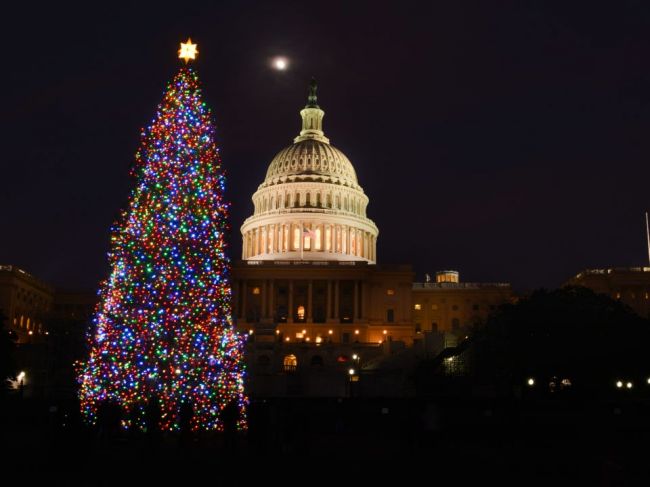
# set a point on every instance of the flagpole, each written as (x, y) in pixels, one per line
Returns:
(647, 233)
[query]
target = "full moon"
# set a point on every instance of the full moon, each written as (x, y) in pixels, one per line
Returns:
(280, 63)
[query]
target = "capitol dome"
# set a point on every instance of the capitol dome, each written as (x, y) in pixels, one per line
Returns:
(310, 205)
(311, 160)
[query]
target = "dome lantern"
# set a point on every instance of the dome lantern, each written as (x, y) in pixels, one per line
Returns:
(312, 118)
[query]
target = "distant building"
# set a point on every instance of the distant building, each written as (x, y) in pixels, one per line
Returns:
(630, 285)
(25, 301)
(50, 328)
(449, 305)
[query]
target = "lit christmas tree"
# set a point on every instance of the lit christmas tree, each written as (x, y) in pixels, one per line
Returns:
(163, 337)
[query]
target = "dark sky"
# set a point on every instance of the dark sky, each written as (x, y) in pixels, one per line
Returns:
(508, 140)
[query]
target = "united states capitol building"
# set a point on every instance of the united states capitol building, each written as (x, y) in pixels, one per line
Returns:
(309, 290)
(318, 306)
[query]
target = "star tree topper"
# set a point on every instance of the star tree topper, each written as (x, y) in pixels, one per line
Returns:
(187, 51)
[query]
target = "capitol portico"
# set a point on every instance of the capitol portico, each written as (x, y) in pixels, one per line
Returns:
(310, 205)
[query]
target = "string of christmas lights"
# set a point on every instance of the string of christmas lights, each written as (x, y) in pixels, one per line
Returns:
(163, 337)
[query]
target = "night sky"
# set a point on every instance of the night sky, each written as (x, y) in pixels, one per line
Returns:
(510, 142)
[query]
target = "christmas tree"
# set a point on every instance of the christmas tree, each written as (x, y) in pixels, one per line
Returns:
(163, 338)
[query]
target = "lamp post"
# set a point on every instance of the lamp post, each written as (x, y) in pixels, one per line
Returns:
(21, 383)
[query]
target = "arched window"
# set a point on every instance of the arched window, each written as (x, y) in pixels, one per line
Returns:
(307, 199)
(316, 361)
(317, 239)
(318, 200)
(296, 238)
(306, 244)
(300, 312)
(329, 200)
(290, 363)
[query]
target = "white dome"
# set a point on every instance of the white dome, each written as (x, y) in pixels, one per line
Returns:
(310, 205)
(311, 160)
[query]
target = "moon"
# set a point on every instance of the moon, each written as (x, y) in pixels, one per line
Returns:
(280, 63)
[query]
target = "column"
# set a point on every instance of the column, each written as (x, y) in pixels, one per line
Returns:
(328, 303)
(264, 313)
(272, 300)
(277, 238)
(290, 306)
(355, 316)
(336, 299)
(362, 301)
(310, 290)
(364, 245)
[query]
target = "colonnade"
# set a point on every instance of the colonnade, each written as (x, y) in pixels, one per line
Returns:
(312, 237)
(264, 294)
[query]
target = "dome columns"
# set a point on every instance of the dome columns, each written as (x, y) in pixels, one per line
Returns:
(308, 240)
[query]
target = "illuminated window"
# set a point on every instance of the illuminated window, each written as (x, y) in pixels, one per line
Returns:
(646, 295)
(290, 363)
(434, 307)
(328, 238)
(618, 295)
(317, 235)
(296, 238)
(390, 292)
(418, 307)
(256, 290)
(301, 312)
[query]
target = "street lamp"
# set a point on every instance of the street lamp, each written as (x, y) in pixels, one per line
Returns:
(21, 382)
